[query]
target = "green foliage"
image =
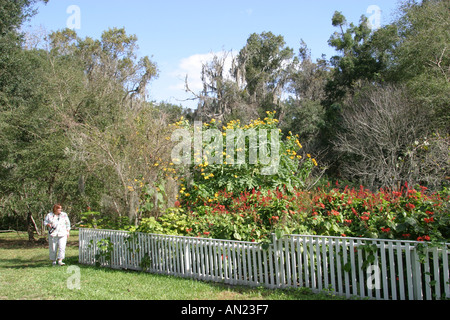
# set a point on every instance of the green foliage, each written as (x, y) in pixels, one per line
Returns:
(104, 251)
(174, 221)
(207, 178)
(97, 220)
(148, 225)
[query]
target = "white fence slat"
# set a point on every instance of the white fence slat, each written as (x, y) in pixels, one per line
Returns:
(417, 276)
(345, 265)
(251, 264)
(446, 271)
(436, 273)
(384, 275)
(401, 282)
(305, 261)
(377, 263)
(319, 265)
(260, 267)
(311, 264)
(339, 269)
(276, 262)
(293, 262)
(286, 264)
(362, 282)
(392, 275)
(353, 267)
(299, 262)
(409, 274)
(426, 268)
(243, 265)
(229, 263)
(325, 262)
(332, 268)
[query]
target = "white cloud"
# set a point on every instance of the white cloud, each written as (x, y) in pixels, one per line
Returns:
(192, 68)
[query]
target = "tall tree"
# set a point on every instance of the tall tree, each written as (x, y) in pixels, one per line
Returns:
(263, 66)
(422, 56)
(255, 82)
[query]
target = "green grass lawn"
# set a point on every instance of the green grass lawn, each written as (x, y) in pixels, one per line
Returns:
(26, 274)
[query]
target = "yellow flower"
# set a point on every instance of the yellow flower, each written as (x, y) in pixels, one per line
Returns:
(315, 162)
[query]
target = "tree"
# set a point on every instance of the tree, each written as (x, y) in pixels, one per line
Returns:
(254, 84)
(221, 98)
(304, 111)
(263, 67)
(386, 141)
(422, 56)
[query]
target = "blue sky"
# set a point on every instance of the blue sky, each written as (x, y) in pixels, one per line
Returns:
(179, 35)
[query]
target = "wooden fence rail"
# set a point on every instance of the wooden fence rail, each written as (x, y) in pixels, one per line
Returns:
(353, 267)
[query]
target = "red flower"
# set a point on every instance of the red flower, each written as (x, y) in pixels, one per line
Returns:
(365, 216)
(426, 238)
(410, 206)
(428, 220)
(386, 230)
(334, 213)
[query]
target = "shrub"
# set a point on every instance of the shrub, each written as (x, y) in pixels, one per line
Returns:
(214, 171)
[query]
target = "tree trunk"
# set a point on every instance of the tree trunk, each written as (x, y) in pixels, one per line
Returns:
(30, 227)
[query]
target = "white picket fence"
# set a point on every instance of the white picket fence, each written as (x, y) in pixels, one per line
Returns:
(353, 267)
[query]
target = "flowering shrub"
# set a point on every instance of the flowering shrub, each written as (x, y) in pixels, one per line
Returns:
(249, 216)
(216, 170)
(407, 214)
